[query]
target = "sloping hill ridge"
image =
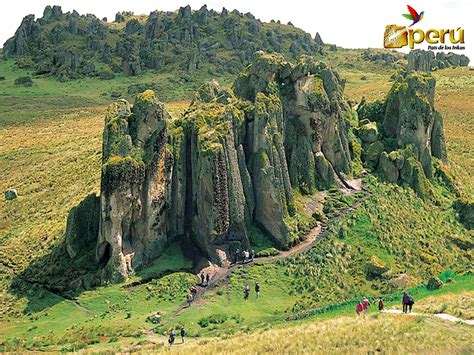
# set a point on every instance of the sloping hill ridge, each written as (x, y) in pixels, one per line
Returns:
(69, 45)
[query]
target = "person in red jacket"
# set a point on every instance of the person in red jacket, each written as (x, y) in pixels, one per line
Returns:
(359, 308)
(365, 305)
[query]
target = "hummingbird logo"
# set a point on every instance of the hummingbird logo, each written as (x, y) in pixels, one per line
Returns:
(413, 15)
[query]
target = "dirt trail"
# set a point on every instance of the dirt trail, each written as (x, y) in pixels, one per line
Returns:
(220, 273)
(444, 316)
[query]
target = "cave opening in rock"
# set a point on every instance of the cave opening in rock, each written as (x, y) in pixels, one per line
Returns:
(106, 254)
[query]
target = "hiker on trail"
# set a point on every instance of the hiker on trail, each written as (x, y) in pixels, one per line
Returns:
(172, 336)
(190, 299)
(244, 254)
(381, 305)
(247, 255)
(252, 254)
(359, 308)
(410, 303)
(365, 305)
(406, 301)
(194, 292)
(158, 316)
(202, 278)
(208, 277)
(236, 256)
(246, 292)
(257, 289)
(183, 334)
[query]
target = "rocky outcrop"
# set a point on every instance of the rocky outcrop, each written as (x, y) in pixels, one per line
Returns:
(233, 160)
(406, 134)
(20, 44)
(427, 61)
(465, 209)
(410, 118)
(185, 39)
(385, 57)
(434, 283)
(135, 186)
(10, 194)
(318, 39)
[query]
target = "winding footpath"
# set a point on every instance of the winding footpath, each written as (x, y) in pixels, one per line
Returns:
(313, 236)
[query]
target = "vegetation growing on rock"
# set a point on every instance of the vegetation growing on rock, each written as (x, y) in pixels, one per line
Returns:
(232, 161)
(70, 46)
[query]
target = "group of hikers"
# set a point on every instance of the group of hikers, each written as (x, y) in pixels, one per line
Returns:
(172, 335)
(363, 306)
(243, 256)
(193, 290)
(247, 291)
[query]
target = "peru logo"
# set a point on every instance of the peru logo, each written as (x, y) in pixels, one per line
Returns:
(400, 36)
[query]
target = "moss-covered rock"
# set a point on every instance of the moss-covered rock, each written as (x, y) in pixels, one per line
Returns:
(376, 267)
(465, 208)
(410, 118)
(434, 283)
(368, 132)
(465, 243)
(371, 153)
(388, 167)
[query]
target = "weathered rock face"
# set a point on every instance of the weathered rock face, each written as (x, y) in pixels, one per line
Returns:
(407, 133)
(83, 226)
(135, 186)
(465, 208)
(427, 61)
(232, 160)
(410, 118)
(24, 35)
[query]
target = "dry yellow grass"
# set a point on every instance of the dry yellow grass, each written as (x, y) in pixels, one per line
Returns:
(53, 164)
(376, 333)
(455, 100)
(460, 305)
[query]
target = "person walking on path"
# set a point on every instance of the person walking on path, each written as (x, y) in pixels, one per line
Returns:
(202, 278)
(208, 277)
(359, 308)
(405, 300)
(172, 336)
(252, 254)
(194, 292)
(365, 305)
(381, 305)
(246, 292)
(244, 254)
(410, 303)
(190, 299)
(183, 334)
(257, 289)
(236, 256)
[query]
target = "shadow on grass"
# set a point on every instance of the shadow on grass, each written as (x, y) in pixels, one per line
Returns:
(50, 279)
(55, 277)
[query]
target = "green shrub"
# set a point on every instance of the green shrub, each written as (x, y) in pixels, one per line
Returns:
(267, 252)
(212, 319)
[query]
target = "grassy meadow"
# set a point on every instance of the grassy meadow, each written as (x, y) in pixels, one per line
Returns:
(50, 151)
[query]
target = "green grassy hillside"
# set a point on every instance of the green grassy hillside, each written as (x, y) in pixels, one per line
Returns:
(50, 144)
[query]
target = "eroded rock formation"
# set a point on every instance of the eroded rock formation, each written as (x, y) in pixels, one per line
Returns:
(427, 61)
(411, 133)
(233, 160)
